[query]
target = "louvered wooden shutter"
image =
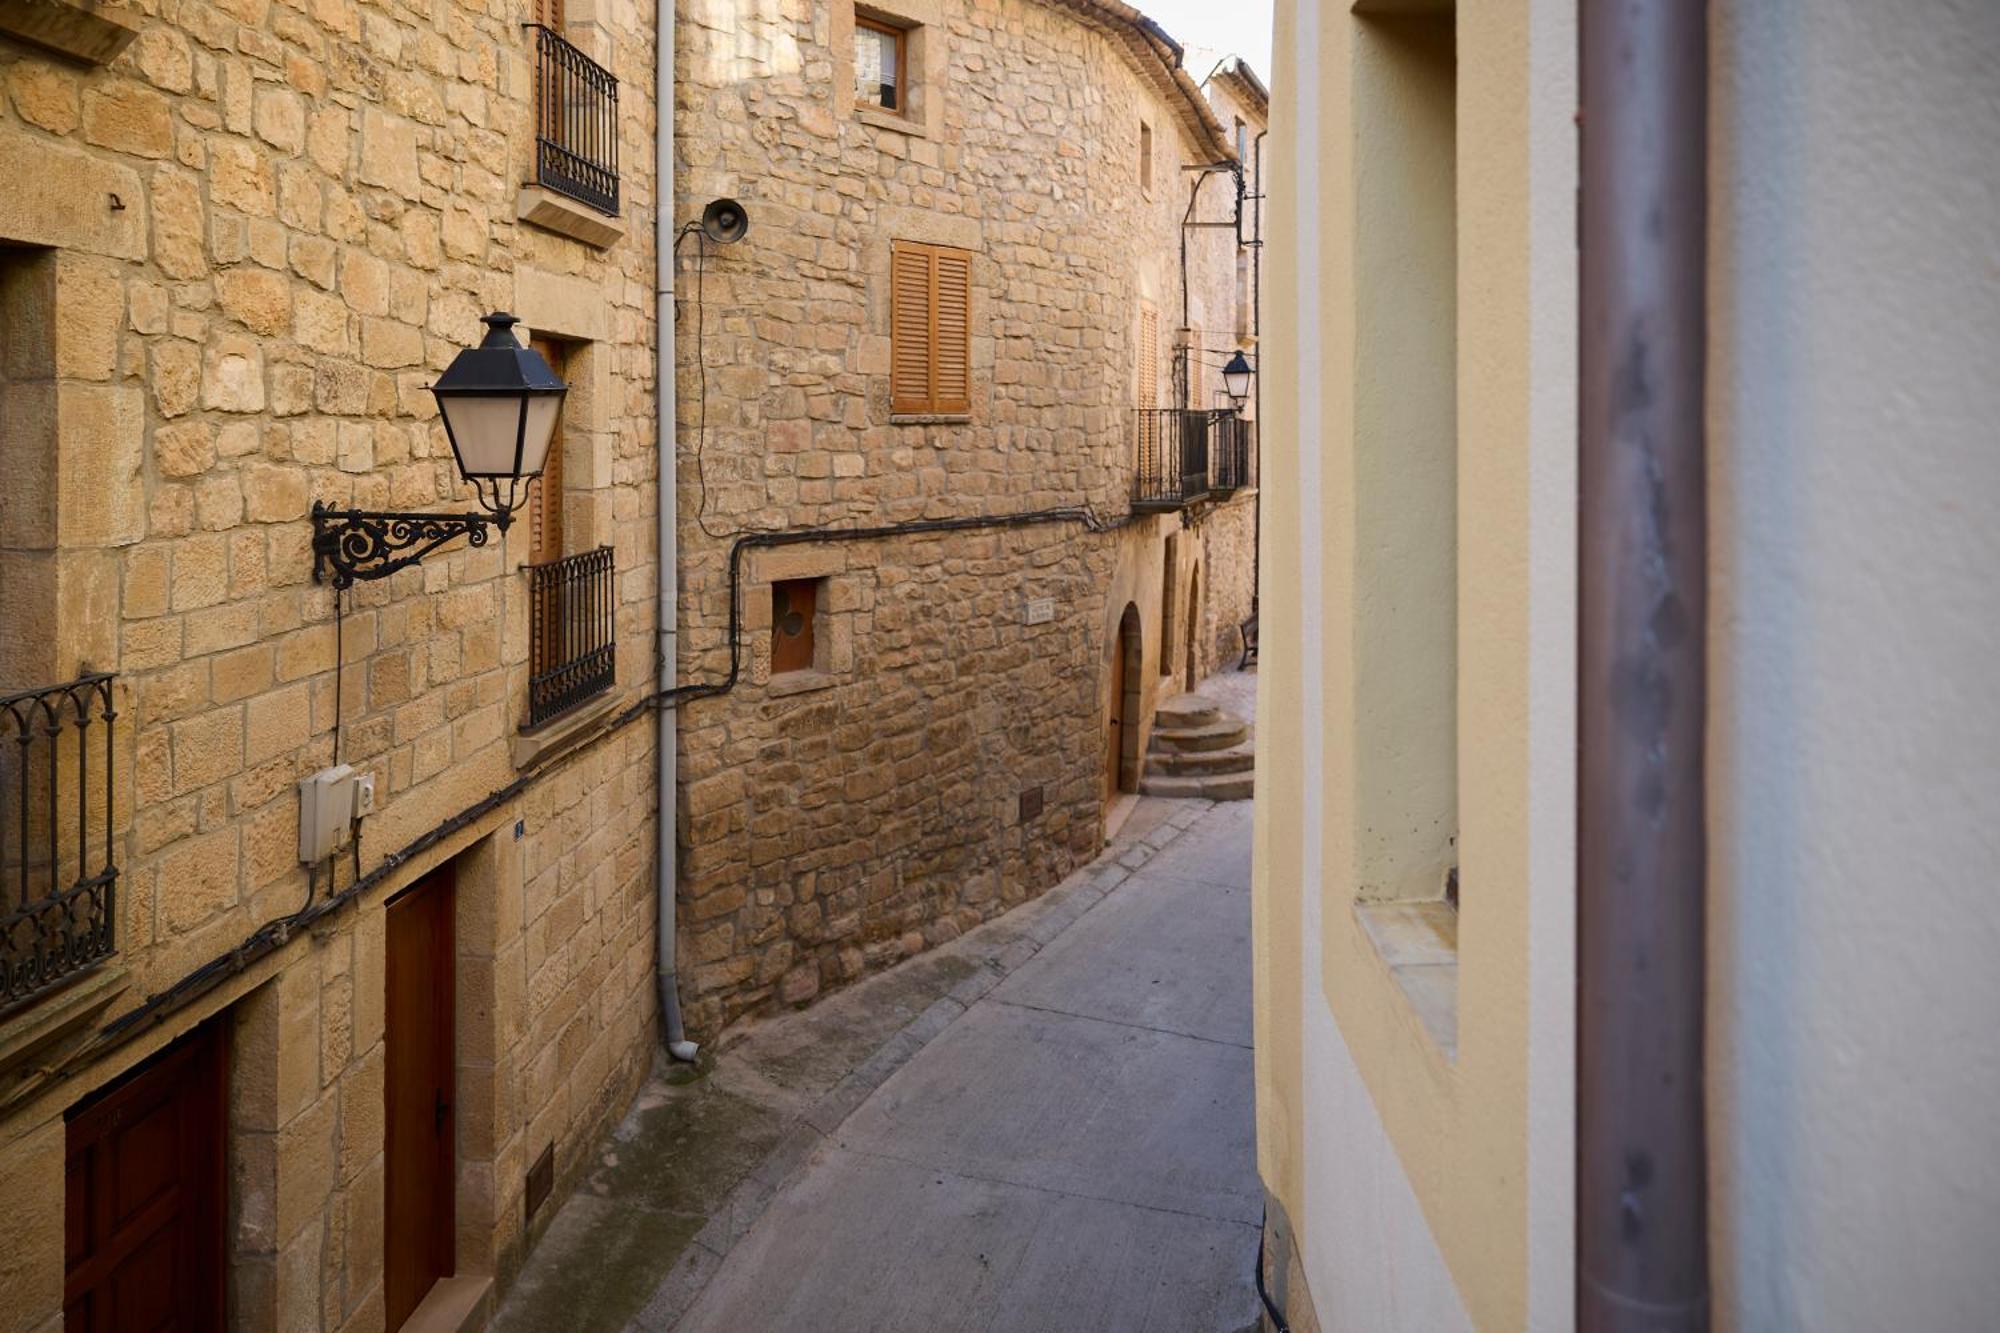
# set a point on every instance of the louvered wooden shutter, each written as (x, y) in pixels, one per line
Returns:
(549, 13)
(910, 328)
(951, 363)
(1149, 356)
(930, 329)
(545, 500)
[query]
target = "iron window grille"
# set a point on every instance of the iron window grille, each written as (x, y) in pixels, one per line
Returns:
(576, 123)
(58, 866)
(1229, 458)
(572, 635)
(1170, 457)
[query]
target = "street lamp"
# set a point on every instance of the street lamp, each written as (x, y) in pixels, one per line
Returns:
(500, 402)
(1236, 374)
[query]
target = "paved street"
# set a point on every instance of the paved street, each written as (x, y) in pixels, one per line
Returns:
(1043, 1126)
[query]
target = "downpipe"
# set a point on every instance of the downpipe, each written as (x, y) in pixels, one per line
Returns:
(1642, 1157)
(666, 741)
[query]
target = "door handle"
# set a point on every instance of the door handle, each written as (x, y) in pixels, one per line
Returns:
(441, 1109)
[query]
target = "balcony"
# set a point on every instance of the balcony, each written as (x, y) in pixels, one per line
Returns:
(572, 633)
(1170, 453)
(58, 871)
(576, 123)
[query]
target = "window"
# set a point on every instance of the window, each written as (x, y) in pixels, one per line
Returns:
(930, 329)
(1145, 157)
(879, 65)
(794, 609)
(1404, 660)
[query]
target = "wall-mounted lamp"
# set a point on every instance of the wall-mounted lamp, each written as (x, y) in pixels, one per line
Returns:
(500, 402)
(1236, 373)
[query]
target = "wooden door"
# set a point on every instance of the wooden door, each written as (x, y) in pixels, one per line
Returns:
(1116, 753)
(420, 1124)
(144, 1197)
(1194, 629)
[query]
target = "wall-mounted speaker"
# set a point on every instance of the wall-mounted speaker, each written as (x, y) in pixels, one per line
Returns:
(725, 222)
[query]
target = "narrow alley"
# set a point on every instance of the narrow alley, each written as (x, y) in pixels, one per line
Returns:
(1044, 1125)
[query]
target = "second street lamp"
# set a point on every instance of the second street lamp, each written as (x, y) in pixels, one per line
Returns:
(500, 403)
(1236, 373)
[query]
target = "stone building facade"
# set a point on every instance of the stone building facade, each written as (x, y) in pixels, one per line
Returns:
(237, 243)
(956, 745)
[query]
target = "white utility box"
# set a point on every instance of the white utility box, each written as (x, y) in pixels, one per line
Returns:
(327, 810)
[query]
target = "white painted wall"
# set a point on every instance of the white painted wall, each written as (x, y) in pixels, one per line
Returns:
(1855, 733)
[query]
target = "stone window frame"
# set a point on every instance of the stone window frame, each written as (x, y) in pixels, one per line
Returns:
(833, 617)
(575, 312)
(925, 227)
(922, 24)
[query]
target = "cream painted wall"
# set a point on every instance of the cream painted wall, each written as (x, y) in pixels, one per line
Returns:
(1427, 1193)
(1854, 417)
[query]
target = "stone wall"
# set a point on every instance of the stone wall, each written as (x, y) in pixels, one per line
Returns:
(255, 238)
(836, 823)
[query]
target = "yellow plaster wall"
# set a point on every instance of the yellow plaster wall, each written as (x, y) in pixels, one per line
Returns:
(1479, 1144)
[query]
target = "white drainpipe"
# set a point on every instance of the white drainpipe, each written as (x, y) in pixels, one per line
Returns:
(665, 858)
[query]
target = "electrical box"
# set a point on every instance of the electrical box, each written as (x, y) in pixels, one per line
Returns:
(327, 810)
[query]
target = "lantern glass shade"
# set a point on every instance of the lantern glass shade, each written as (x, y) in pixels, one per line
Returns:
(1236, 377)
(500, 435)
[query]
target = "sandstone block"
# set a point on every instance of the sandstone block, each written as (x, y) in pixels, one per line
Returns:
(128, 118)
(197, 880)
(232, 378)
(389, 153)
(257, 298)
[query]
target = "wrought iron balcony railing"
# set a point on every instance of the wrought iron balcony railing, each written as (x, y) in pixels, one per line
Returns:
(58, 852)
(576, 123)
(1231, 454)
(1170, 454)
(572, 632)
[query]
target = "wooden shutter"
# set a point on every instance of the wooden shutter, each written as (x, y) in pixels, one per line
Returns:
(930, 329)
(910, 328)
(1149, 356)
(549, 13)
(545, 500)
(794, 607)
(951, 362)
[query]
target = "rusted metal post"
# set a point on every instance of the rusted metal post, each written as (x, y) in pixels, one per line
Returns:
(1642, 1228)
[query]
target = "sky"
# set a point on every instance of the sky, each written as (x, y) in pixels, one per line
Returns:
(1238, 27)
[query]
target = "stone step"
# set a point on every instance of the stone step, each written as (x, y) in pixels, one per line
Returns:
(1190, 710)
(1220, 735)
(1209, 787)
(1234, 760)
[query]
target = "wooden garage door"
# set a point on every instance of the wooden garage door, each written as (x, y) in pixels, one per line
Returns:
(144, 1198)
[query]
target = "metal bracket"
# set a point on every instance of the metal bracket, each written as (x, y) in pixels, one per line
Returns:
(360, 545)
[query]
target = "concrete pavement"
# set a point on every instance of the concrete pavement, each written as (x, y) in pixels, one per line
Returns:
(1044, 1126)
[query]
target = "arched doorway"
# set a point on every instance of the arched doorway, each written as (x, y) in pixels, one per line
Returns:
(1194, 629)
(1121, 758)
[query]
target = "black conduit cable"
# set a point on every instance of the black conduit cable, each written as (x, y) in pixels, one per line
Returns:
(1277, 1316)
(273, 935)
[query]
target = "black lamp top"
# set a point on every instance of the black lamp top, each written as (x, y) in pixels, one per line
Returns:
(499, 365)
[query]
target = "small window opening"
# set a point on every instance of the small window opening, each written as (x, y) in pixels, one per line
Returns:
(879, 65)
(794, 609)
(1145, 156)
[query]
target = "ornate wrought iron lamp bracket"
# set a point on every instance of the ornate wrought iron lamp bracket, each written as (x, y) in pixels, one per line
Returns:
(360, 545)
